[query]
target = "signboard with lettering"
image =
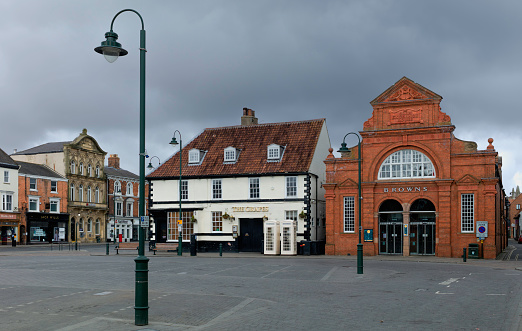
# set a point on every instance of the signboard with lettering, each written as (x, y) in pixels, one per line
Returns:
(482, 229)
(144, 221)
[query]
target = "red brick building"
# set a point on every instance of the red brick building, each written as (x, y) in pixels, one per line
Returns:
(423, 190)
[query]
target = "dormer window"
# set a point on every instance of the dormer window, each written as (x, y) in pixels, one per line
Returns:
(274, 153)
(230, 154)
(196, 156)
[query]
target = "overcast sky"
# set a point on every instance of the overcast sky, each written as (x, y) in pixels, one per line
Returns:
(287, 60)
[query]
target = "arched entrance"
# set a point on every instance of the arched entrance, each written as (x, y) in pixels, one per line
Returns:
(390, 227)
(422, 227)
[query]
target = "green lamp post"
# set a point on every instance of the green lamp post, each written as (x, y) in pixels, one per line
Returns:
(359, 151)
(150, 166)
(112, 50)
(174, 142)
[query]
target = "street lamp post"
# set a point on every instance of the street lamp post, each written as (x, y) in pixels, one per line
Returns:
(359, 151)
(111, 49)
(174, 142)
(116, 193)
(150, 166)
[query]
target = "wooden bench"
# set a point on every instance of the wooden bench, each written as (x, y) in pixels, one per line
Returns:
(126, 246)
(165, 247)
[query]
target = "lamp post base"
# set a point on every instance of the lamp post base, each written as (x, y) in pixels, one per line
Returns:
(359, 258)
(141, 308)
(180, 246)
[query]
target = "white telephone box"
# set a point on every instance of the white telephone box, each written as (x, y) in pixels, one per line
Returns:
(288, 238)
(272, 242)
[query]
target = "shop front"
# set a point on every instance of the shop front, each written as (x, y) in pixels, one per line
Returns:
(46, 227)
(9, 227)
(424, 192)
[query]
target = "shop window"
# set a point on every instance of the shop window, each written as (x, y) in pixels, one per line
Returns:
(187, 227)
(467, 212)
(217, 221)
(349, 214)
(406, 163)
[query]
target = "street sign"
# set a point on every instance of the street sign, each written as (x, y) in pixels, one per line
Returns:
(144, 221)
(482, 229)
(180, 222)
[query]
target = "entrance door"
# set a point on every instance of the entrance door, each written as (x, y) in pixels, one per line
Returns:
(390, 237)
(422, 235)
(251, 235)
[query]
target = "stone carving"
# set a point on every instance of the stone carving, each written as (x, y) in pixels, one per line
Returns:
(405, 93)
(405, 116)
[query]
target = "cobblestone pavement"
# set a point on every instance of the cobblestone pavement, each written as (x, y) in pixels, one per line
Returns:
(87, 290)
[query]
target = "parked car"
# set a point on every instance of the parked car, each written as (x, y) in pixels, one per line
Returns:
(520, 240)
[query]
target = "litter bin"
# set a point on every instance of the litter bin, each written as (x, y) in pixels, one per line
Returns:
(306, 245)
(473, 251)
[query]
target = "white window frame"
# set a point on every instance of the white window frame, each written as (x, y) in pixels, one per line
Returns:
(230, 154)
(54, 186)
(117, 186)
(184, 190)
(518, 207)
(274, 152)
(89, 170)
(119, 208)
(6, 176)
(89, 225)
(97, 194)
(253, 188)
(217, 189)
(33, 184)
(97, 171)
(73, 167)
(349, 214)
(291, 186)
(89, 194)
(467, 212)
(71, 193)
(80, 168)
(129, 208)
(129, 189)
(7, 201)
(36, 200)
(217, 221)
(55, 202)
(406, 163)
(291, 215)
(97, 226)
(194, 156)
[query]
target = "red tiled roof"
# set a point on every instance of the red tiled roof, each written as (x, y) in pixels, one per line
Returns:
(299, 139)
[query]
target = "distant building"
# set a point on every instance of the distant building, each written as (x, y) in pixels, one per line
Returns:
(123, 201)
(235, 177)
(9, 213)
(515, 207)
(42, 195)
(81, 161)
(424, 192)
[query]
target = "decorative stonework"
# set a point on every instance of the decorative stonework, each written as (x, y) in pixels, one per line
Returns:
(405, 93)
(405, 116)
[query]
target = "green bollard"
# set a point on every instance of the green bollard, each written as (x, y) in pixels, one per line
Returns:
(107, 249)
(220, 249)
(464, 255)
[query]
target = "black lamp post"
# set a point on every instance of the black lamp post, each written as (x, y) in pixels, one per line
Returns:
(359, 151)
(174, 142)
(111, 50)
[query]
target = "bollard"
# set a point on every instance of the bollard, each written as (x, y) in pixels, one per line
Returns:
(107, 249)
(193, 249)
(51, 246)
(220, 249)
(464, 255)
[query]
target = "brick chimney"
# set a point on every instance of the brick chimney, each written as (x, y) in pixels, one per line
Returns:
(114, 161)
(249, 117)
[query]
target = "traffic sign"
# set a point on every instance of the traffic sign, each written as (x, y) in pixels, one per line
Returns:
(482, 229)
(144, 221)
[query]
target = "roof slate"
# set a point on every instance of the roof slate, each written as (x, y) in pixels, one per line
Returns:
(110, 171)
(299, 139)
(55, 147)
(37, 170)
(6, 159)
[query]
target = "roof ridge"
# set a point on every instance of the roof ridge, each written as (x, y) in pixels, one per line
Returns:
(266, 124)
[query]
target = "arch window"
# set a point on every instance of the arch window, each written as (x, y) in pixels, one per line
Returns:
(97, 195)
(89, 194)
(72, 192)
(89, 225)
(129, 188)
(73, 167)
(80, 193)
(117, 187)
(97, 226)
(81, 168)
(97, 171)
(89, 170)
(407, 163)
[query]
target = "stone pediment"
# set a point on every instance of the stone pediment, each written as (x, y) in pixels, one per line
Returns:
(405, 90)
(348, 183)
(87, 143)
(467, 179)
(406, 104)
